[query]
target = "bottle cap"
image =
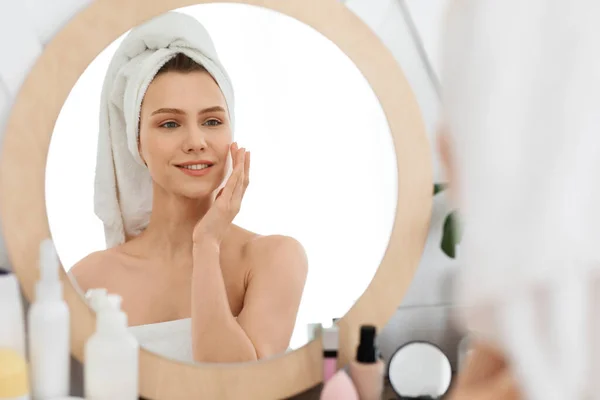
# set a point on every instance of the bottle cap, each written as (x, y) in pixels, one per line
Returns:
(367, 350)
(13, 375)
(110, 318)
(49, 286)
(114, 301)
(313, 330)
(330, 339)
(95, 297)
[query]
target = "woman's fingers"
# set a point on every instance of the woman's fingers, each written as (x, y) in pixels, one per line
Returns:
(486, 376)
(501, 386)
(234, 189)
(238, 191)
(227, 191)
(484, 361)
(247, 171)
(233, 149)
(506, 386)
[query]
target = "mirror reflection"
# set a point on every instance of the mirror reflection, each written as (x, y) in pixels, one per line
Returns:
(227, 171)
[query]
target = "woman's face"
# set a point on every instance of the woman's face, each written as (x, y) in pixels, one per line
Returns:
(185, 133)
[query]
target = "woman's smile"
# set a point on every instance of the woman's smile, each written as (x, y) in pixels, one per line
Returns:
(199, 168)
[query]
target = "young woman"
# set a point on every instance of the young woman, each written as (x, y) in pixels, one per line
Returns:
(194, 285)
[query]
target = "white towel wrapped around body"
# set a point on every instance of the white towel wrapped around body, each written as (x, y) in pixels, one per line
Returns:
(123, 186)
(521, 86)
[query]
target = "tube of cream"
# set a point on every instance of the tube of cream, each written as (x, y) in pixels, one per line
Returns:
(330, 352)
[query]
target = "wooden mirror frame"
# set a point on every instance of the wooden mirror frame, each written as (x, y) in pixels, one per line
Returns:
(25, 223)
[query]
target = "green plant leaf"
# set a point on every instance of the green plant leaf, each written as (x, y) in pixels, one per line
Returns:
(451, 235)
(439, 187)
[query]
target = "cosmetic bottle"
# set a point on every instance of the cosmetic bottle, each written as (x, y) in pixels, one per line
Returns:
(13, 375)
(12, 324)
(366, 370)
(330, 351)
(95, 297)
(313, 330)
(49, 336)
(111, 353)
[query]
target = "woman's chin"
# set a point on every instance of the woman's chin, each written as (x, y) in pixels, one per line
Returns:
(198, 193)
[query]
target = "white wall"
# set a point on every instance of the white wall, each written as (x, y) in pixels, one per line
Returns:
(428, 16)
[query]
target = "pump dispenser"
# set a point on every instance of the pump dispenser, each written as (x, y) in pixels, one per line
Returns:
(49, 334)
(111, 354)
(366, 370)
(95, 297)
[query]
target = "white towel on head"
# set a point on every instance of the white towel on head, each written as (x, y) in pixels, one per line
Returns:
(123, 187)
(522, 102)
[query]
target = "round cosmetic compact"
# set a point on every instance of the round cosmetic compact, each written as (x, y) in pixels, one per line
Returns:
(419, 370)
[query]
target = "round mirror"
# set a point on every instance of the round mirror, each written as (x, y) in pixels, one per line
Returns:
(323, 175)
(419, 369)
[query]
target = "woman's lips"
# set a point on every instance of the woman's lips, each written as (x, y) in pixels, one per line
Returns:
(195, 172)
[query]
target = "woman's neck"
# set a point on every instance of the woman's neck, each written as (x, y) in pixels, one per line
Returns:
(172, 222)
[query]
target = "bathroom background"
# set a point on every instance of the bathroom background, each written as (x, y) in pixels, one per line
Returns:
(410, 28)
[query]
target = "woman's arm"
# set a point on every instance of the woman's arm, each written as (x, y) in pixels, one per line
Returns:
(216, 335)
(274, 288)
(266, 322)
(274, 292)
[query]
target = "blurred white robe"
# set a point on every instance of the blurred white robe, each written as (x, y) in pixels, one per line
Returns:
(521, 97)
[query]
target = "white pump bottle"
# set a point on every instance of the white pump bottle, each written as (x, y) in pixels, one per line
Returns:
(111, 354)
(49, 335)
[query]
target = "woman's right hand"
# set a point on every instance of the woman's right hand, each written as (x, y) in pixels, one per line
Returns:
(220, 215)
(486, 376)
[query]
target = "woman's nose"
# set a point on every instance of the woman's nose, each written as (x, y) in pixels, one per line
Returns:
(196, 141)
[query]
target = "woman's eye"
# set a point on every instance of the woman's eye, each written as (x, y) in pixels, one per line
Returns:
(212, 122)
(170, 125)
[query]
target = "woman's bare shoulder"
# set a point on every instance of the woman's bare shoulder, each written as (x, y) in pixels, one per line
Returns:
(258, 250)
(255, 245)
(94, 269)
(274, 251)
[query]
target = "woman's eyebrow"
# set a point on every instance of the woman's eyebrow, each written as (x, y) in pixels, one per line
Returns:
(168, 111)
(181, 112)
(212, 109)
